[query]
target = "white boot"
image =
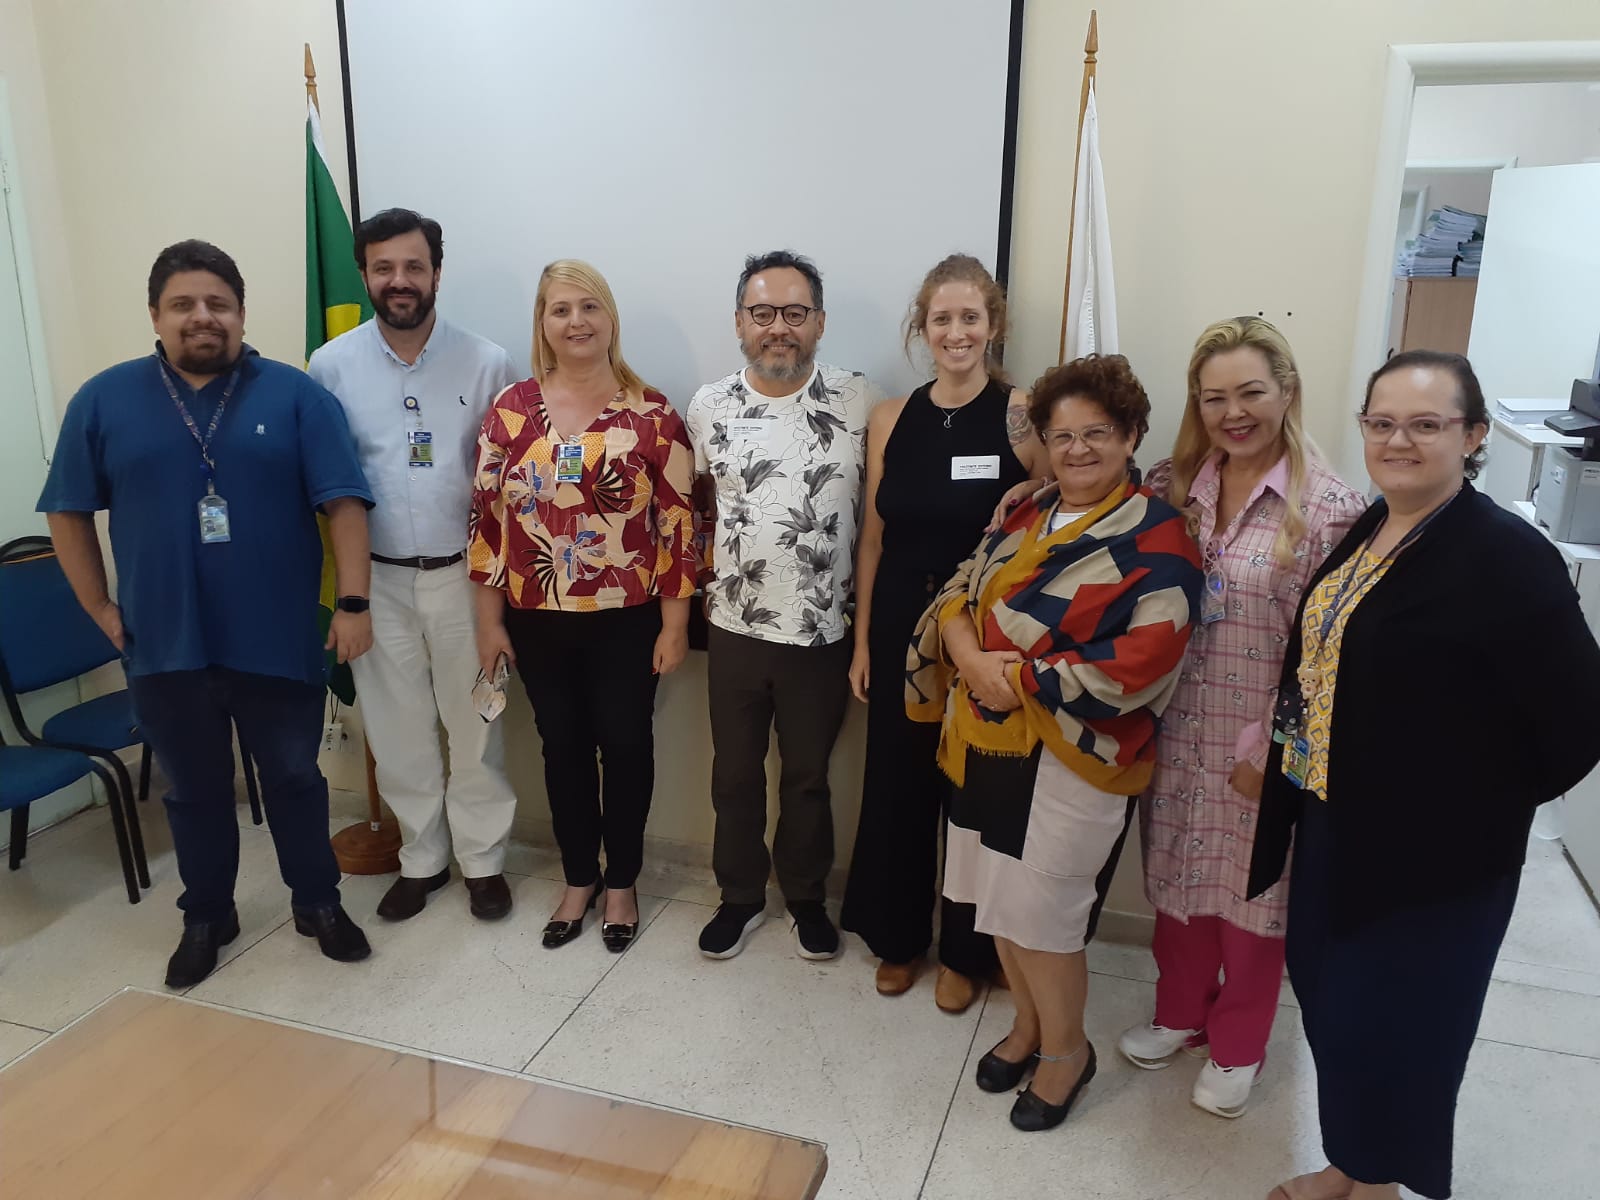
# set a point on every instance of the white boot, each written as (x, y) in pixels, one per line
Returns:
(1152, 1046)
(1225, 1091)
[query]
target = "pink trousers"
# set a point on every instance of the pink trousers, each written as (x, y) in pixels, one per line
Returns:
(1220, 980)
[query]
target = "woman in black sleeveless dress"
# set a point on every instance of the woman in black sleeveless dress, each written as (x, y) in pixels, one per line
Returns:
(938, 462)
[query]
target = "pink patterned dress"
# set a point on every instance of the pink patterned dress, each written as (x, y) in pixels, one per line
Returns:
(1198, 832)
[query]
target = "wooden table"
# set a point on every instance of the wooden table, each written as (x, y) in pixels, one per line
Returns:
(153, 1097)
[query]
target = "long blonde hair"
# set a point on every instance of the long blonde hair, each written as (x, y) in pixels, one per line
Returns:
(580, 275)
(1193, 446)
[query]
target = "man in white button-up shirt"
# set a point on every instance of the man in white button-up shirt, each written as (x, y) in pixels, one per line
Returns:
(416, 389)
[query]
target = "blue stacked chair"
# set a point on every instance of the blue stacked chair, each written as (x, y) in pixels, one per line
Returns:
(47, 639)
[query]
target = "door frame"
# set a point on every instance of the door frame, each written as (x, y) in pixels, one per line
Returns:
(27, 276)
(1408, 67)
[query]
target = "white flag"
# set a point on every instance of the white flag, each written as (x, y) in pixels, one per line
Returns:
(1091, 291)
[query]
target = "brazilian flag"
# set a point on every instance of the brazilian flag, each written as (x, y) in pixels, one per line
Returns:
(336, 301)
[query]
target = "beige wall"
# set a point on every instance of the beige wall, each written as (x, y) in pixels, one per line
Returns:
(184, 118)
(1239, 143)
(21, 68)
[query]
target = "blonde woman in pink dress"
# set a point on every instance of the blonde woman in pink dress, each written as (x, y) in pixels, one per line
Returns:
(1266, 509)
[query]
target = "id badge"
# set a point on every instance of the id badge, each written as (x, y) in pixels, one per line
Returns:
(569, 462)
(1213, 607)
(421, 447)
(1297, 761)
(214, 519)
(975, 466)
(750, 429)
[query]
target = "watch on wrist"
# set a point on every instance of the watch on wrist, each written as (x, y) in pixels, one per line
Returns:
(351, 604)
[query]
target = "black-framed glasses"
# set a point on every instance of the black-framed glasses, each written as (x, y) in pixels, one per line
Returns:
(794, 315)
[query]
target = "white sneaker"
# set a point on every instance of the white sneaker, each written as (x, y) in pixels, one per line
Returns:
(1225, 1091)
(1152, 1046)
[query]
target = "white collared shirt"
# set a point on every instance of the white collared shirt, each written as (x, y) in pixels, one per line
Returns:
(420, 511)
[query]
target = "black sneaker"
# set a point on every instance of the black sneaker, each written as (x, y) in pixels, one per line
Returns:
(196, 955)
(814, 935)
(339, 937)
(727, 932)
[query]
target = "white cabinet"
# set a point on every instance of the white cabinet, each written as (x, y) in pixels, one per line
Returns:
(1581, 812)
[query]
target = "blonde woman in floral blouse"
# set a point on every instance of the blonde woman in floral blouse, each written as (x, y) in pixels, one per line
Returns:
(1266, 510)
(582, 547)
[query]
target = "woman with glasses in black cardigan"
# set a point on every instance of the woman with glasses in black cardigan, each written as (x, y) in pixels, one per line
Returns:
(1443, 684)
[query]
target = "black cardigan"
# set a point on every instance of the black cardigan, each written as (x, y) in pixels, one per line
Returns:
(1468, 694)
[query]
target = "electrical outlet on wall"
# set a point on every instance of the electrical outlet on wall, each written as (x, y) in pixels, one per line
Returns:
(333, 737)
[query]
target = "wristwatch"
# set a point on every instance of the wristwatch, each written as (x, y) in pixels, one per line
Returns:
(352, 604)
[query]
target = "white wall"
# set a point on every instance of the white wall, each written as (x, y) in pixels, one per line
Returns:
(1240, 144)
(1540, 124)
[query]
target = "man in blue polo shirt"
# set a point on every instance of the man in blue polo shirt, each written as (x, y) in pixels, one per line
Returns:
(213, 463)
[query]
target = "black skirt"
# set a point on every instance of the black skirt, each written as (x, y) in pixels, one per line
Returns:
(1391, 1009)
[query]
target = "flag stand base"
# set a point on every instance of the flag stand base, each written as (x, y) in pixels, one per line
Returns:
(370, 847)
(363, 850)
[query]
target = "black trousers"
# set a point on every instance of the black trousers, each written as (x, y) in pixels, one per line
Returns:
(188, 718)
(803, 690)
(893, 886)
(589, 679)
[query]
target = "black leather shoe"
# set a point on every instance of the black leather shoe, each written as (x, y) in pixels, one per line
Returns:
(196, 955)
(619, 935)
(341, 938)
(996, 1074)
(407, 896)
(490, 897)
(559, 933)
(1031, 1114)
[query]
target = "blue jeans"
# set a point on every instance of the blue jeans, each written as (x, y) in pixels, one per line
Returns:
(189, 717)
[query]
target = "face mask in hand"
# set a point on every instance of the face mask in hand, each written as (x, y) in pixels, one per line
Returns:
(490, 698)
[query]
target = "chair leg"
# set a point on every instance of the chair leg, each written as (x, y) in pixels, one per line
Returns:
(250, 782)
(123, 795)
(144, 774)
(119, 826)
(19, 835)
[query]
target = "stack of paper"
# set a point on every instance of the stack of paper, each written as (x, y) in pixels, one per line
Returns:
(1451, 243)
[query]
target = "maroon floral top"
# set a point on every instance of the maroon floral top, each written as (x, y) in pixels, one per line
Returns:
(609, 527)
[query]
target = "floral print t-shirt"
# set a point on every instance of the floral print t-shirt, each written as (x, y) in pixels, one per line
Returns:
(784, 476)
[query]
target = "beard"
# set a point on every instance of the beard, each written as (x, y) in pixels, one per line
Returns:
(210, 359)
(382, 304)
(764, 354)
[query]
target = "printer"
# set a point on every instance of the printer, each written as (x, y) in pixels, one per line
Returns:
(1568, 503)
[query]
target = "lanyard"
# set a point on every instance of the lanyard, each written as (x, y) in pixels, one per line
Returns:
(194, 431)
(1337, 604)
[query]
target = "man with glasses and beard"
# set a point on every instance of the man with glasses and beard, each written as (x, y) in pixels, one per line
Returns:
(780, 448)
(212, 462)
(416, 389)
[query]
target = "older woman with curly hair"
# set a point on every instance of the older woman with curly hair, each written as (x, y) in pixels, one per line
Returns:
(1048, 659)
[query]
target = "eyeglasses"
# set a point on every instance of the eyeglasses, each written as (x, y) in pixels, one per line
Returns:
(1093, 436)
(793, 314)
(1420, 430)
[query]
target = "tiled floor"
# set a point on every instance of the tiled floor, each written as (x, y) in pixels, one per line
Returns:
(771, 1040)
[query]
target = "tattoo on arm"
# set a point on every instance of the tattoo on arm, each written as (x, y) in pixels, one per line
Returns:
(1018, 427)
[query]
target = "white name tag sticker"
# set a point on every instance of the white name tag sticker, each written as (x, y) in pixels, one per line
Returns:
(975, 466)
(749, 429)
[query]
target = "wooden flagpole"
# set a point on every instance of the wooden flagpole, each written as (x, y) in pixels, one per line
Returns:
(1091, 49)
(370, 847)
